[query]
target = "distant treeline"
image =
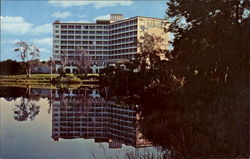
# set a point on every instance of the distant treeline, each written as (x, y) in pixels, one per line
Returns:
(10, 67)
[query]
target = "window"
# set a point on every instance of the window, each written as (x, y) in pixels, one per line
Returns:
(78, 27)
(85, 27)
(64, 26)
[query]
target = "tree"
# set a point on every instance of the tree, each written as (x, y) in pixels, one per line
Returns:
(51, 63)
(11, 67)
(64, 62)
(151, 51)
(84, 61)
(26, 110)
(211, 55)
(211, 40)
(27, 52)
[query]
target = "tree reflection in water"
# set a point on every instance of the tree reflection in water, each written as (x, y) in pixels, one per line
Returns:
(214, 129)
(181, 126)
(27, 109)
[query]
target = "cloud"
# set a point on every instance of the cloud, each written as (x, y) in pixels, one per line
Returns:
(101, 4)
(18, 26)
(96, 4)
(10, 41)
(14, 25)
(61, 15)
(77, 21)
(42, 29)
(43, 42)
(102, 17)
(69, 3)
(44, 50)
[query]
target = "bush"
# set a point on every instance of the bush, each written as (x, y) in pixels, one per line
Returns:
(66, 79)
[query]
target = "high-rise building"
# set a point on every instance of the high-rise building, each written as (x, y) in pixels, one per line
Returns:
(104, 42)
(85, 114)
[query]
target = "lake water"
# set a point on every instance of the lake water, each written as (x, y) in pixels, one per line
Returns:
(68, 123)
(90, 122)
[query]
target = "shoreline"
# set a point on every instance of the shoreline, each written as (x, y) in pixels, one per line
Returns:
(44, 80)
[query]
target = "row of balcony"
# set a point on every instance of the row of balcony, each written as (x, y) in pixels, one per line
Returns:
(97, 26)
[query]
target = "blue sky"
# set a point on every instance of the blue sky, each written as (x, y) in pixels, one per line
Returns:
(31, 21)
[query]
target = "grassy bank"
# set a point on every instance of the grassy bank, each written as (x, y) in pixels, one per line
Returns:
(43, 79)
(45, 86)
(23, 79)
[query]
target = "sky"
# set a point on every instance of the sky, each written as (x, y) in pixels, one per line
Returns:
(31, 21)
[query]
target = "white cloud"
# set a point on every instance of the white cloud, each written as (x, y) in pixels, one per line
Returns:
(14, 25)
(102, 17)
(69, 3)
(10, 41)
(18, 26)
(96, 4)
(43, 42)
(43, 50)
(61, 15)
(77, 21)
(101, 4)
(42, 29)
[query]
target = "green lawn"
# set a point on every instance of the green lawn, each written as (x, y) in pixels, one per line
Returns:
(36, 76)
(39, 79)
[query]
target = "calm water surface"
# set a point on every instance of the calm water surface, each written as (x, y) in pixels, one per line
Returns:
(90, 122)
(63, 124)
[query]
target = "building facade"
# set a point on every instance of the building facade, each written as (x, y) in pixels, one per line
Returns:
(104, 42)
(85, 114)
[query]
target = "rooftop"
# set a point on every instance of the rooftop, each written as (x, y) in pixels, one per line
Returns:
(111, 20)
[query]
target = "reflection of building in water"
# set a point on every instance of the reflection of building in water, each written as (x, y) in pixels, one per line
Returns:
(87, 115)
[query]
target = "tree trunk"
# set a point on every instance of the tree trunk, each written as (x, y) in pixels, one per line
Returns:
(29, 71)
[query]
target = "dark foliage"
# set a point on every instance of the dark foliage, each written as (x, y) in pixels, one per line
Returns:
(208, 117)
(10, 67)
(196, 103)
